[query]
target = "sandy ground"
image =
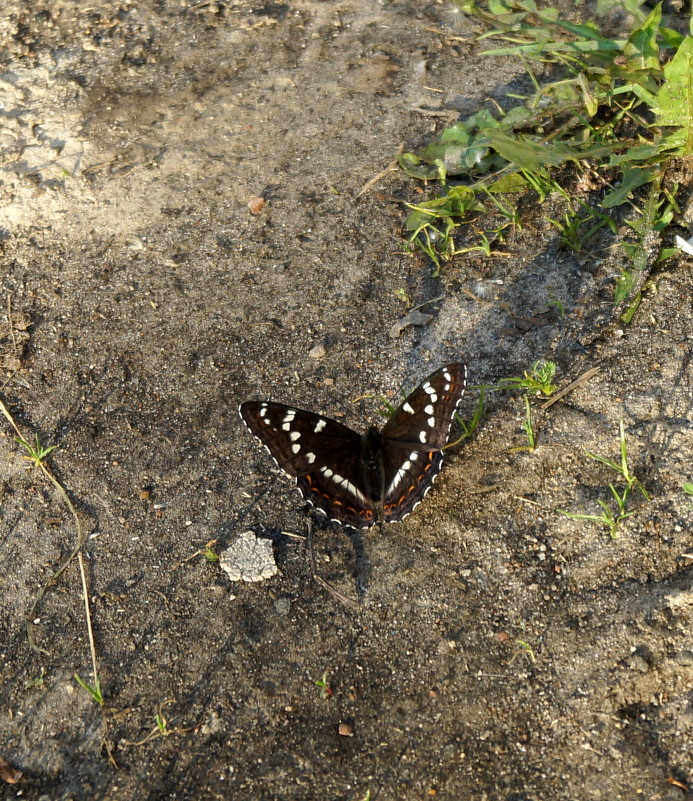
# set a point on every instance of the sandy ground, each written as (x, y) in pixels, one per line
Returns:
(142, 301)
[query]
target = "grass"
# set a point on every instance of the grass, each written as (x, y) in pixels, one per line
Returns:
(599, 138)
(36, 453)
(94, 691)
(612, 516)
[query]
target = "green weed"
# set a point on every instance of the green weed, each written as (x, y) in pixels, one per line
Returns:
(538, 380)
(37, 453)
(526, 649)
(612, 517)
(323, 684)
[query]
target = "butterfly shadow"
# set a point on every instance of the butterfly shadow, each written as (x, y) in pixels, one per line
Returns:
(362, 565)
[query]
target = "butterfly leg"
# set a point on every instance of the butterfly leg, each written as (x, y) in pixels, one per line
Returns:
(334, 592)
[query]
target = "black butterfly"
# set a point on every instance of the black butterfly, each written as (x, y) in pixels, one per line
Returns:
(358, 479)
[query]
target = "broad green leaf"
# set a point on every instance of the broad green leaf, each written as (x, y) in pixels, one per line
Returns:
(603, 45)
(632, 179)
(631, 6)
(531, 156)
(509, 184)
(636, 154)
(586, 31)
(641, 48)
(675, 99)
(458, 201)
(414, 167)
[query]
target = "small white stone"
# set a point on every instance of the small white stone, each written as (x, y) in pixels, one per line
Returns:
(318, 352)
(250, 558)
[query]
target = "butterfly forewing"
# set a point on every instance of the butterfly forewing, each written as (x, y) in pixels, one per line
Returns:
(414, 437)
(356, 479)
(323, 455)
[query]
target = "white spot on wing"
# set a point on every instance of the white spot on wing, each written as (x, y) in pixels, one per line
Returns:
(447, 376)
(398, 477)
(407, 407)
(422, 437)
(429, 409)
(294, 435)
(295, 448)
(432, 422)
(310, 457)
(319, 426)
(413, 456)
(355, 491)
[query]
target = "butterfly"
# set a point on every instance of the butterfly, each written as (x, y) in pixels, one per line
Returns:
(356, 479)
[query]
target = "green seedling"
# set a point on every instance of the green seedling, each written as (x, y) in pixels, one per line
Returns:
(161, 727)
(94, 691)
(402, 294)
(37, 453)
(433, 222)
(325, 689)
(538, 380)
(37, 456)
(525, 648)
(688, 488)
(556, 304)
(570, 228)
(161, 724)
(210, 555)
(528, 429)
(610, 517)
(37, 683)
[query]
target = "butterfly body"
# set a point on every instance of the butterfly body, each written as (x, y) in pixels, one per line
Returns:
(358, 479)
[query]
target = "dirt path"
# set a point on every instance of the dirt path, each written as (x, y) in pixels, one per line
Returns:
(499, 650)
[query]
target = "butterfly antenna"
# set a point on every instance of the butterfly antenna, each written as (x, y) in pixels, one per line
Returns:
(334, 592)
